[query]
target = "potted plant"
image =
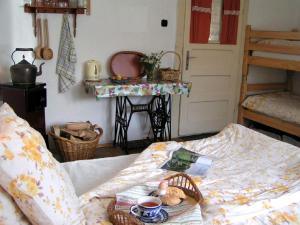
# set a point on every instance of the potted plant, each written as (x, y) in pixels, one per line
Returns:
(151, 64)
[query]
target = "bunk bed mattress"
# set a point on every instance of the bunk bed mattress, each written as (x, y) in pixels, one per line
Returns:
(278, 55)
(280, 42)
(254, 179)
(281, 105)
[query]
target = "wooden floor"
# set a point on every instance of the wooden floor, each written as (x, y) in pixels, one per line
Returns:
(114, 151)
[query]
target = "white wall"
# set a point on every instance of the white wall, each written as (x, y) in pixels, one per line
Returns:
(113, 26)
(5, 38)
(118, 25)
(272, 15)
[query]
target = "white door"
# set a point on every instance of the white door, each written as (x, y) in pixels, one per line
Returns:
(213, 70)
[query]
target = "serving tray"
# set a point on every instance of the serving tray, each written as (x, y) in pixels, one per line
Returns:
(180, 180)
(127, 63)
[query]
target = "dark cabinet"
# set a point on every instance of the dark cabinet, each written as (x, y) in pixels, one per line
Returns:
(29, 103)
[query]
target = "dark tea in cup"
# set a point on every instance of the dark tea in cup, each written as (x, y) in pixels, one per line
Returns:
(150, 204)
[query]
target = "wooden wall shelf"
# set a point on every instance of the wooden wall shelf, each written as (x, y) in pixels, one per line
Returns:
(48, 9)
(35, 9)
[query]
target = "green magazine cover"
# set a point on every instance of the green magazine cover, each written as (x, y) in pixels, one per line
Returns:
(189, 162)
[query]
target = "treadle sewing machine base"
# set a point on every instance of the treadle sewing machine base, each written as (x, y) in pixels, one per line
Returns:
(158, 108)
(159, 111)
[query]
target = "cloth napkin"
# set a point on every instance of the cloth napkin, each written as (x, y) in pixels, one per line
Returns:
(66, 60)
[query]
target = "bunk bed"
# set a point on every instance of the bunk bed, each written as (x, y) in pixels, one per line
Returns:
(271, 104)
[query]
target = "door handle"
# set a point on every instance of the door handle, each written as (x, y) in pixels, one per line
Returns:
(188, 58)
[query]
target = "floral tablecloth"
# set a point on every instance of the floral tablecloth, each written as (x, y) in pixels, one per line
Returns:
(106, 88)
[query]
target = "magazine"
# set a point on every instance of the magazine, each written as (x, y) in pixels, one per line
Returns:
(188, 162)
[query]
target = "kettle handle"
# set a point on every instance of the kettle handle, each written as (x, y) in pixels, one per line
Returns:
(23, 50)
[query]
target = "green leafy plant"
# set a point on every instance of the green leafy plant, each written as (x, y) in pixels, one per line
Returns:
(151, 64)
(154, 59)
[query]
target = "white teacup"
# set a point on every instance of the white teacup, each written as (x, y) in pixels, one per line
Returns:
(147, 207)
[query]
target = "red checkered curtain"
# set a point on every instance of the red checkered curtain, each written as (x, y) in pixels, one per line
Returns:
(230, 21)
(200, 21)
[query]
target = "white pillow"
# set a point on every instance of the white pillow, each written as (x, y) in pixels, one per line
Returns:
(36, 181)
(9, 212)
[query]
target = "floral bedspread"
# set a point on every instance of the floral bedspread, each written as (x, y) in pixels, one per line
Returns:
(254, 179)
(281, 105)
(106, 88)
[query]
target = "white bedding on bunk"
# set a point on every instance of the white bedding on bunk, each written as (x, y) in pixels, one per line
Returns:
(279, 42)
(278, 55)
(254, 179)
(281, 105)
(88, 174)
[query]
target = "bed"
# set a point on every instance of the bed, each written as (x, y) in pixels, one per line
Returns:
(254, 179)
(279, 109)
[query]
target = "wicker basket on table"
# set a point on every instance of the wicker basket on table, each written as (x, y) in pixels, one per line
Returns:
(180, 180)
(76, 150)
(168, 74)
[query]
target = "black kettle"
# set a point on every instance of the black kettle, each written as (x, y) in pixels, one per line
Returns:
(24, 73)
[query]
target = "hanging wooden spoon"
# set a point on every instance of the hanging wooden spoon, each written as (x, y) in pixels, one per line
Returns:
(47, 52)
(38, 49)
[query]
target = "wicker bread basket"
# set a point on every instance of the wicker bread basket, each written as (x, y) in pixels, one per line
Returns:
(76, 150)
(168, 74)
(180, 180)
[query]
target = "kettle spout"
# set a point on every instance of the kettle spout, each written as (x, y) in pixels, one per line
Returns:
(40, 70)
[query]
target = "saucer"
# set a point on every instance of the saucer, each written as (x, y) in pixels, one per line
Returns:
(161, 217)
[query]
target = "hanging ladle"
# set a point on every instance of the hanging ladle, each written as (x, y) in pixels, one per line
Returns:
(47, 52)
(38, 49)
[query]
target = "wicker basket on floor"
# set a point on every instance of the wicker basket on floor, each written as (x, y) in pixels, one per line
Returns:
(76, 150)
(180, 180)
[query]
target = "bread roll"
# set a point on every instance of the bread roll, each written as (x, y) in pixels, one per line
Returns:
(177, 192)
(170, 200)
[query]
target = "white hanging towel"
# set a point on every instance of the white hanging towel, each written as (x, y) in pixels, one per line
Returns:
(66, 60)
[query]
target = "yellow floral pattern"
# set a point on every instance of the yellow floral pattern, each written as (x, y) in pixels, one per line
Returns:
(254, 179)
(9, 211)
(34, 179)
(31, 148)
(9, 155)
(30, 188)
